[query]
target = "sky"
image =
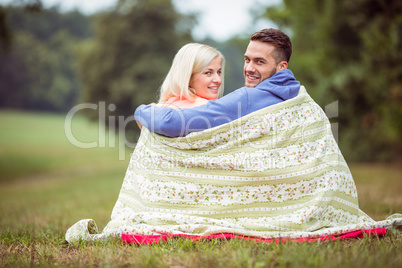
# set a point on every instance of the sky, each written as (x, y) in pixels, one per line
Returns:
(218, 19)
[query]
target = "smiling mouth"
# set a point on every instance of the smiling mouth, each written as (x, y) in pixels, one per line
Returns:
(252, 77)
(213, 88)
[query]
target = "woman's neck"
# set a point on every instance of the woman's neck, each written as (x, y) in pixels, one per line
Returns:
(176, 102)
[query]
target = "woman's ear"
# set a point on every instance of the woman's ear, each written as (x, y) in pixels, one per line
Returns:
(282, 65)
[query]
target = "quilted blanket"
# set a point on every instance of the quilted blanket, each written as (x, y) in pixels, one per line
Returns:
(277, 172)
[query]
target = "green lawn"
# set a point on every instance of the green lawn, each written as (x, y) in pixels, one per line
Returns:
(47, 184)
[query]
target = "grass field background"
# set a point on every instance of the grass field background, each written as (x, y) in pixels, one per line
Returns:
(47, 184)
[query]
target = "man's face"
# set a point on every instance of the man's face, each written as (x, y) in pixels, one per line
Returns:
(259, 63)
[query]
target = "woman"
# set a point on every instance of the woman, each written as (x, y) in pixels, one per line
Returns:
(195, 77)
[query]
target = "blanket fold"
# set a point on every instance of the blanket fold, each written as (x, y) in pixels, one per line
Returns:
(277, 172)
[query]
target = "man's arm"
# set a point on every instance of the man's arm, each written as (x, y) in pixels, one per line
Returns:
(180, 122)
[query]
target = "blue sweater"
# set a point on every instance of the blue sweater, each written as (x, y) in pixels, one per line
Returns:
(179, 122)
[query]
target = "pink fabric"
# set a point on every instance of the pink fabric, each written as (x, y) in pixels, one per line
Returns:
(154, 239)
(175, 102)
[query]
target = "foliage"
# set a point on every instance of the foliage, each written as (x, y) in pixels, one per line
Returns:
(346, 51)
(37, 71)
(38, 202)
(131, 53)
(350, 51)
(5, 33)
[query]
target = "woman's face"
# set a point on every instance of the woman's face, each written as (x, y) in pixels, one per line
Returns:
(207, 82)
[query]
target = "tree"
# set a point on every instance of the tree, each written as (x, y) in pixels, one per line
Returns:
(131, 53)
(37, 71)
(351, 51)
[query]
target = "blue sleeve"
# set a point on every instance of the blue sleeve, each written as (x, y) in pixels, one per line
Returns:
(180, 122)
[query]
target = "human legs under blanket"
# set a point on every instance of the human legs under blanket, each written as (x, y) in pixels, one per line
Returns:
(275, 173)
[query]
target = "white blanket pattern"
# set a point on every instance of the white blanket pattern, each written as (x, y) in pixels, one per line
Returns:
(277, 172)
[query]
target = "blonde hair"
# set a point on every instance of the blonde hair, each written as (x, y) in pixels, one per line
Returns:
(190, 59)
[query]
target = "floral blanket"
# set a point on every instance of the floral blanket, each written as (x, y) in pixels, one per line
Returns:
(277, 172)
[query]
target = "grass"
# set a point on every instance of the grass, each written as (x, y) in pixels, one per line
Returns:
(47, 184)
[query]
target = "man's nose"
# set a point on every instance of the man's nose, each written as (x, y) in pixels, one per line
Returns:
(249, 67)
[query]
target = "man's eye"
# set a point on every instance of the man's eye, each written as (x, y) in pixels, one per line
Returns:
(247, 60)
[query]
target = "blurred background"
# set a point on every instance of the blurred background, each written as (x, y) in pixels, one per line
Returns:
(57, 54)
(114, 54)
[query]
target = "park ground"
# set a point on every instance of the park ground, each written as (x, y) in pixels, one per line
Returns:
(47, 184)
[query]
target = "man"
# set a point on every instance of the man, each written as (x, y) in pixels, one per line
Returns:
(267, 82)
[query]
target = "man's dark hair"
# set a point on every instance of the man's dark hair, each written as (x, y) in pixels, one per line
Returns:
(277, 38)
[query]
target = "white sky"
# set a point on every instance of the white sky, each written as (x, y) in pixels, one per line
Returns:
(218, 19)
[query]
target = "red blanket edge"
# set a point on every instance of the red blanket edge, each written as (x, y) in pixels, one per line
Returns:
(154, 239)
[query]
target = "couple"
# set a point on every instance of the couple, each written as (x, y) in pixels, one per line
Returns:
(267, 82)
(259, 162)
